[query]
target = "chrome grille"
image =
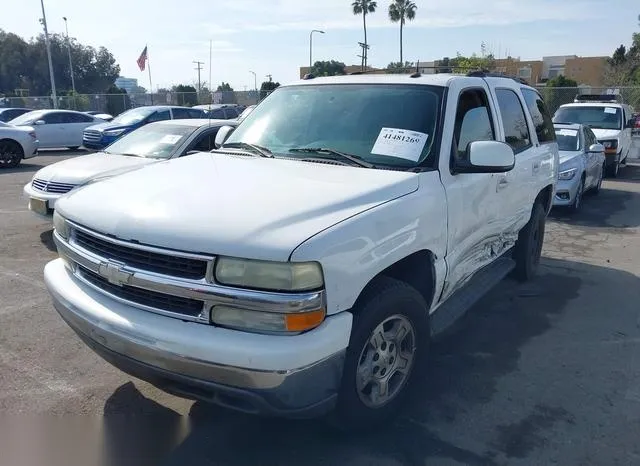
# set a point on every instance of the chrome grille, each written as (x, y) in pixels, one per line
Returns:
(52, 186)
(147, 298)
(92, 136)
(175, 266)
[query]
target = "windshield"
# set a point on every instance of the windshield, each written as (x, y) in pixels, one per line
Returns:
(246, 112)
(155, 141)
(595, 117)
(389, 125)
(133, 116)
(27, 118)
(568, 139)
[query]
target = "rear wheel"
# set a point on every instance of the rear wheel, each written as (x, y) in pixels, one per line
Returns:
(528, 248)
(11, 154)
(613, 169)
(389, 343)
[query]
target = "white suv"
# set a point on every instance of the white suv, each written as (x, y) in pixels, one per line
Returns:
(304, 267)
(612, 123)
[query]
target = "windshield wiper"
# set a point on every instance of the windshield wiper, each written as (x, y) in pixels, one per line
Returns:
(354, 159)
(261, 151)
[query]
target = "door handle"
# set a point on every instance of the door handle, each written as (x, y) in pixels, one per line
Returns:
(502, 183)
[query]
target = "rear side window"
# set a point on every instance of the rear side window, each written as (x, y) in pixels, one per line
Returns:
(219, 114)
(160, 115)
(540, 116)
(473, 121)
(516, 130)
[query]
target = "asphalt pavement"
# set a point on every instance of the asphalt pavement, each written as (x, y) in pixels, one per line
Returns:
(542, 373)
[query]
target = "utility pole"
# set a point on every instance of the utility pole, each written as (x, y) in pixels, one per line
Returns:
(364, 48)
(269, 77)
(73, 82)
(199, 68)
(43, 20)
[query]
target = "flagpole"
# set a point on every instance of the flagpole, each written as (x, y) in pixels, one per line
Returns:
(149, 68)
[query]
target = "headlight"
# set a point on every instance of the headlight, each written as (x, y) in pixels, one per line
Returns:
(114, 132)
(269, 322)
(567, 174)
(60, 225)
(275, 276)
(612, 144)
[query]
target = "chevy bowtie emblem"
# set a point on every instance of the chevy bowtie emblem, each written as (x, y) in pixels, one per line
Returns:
(114, 272)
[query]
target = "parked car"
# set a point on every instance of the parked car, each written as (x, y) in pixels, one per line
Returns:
(17, 143)
(57, 128)
(222, 111)
(304, 267)
(8, 114)
(101, 115)
(246, 112)
(101, 135)
(582, 165)
(151, 143)
(610, 121)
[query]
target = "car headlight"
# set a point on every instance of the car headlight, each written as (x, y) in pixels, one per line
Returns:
(114, 132)
(274, 276)
(266, 322)
(60, 225)
(610, 145)
(567, 174)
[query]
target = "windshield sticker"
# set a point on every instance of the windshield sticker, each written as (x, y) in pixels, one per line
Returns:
(610, 110)
(566, 132)
(400, 143)
(170, 139)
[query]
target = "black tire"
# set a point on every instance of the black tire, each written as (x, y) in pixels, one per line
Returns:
(613, 170)
(73, 148)
(385, 300)
(11, 154)
(598, 187)
(577, 201)
(528, 247)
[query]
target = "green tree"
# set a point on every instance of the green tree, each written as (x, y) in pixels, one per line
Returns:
(224, 87)
(400, 68)
(267, 87)
(401, 11)
(559, 91)
(624, 65)
(328, 68)
(364, 7)
(186, 95)
(118, 100)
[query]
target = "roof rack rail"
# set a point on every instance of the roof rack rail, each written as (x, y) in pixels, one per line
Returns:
(598, 98)
(488, 74)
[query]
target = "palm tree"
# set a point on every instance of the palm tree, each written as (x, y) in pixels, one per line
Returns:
(364, 7)
(401, 11)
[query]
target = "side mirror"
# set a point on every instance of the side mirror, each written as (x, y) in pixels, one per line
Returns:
(596, 148)
(486, 157)
(222, 135)
(40, 122)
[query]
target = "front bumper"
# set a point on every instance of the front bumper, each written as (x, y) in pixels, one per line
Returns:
(31, 149)
(566, 191)
(48, 198)
(292, 376)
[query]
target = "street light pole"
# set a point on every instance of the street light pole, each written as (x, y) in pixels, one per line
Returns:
(311, 47)
(255, 80)
(73, 82)
(48, 45)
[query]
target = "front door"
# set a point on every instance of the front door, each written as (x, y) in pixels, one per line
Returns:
(473, 199)
(52, 132)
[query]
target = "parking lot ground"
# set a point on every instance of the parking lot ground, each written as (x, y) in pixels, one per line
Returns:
(541, 373)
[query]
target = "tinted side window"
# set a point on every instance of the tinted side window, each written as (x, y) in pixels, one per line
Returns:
(206, 142)
(540, 116)
(180, 113)
(56, 118)
(591, 138)
(231, 113)
(79, 118)
(219, 113)
(194, 113)
(473, 121)
(160, 115)
(516, 130)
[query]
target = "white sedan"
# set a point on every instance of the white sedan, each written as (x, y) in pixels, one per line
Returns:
(16, 143)
(57, 128)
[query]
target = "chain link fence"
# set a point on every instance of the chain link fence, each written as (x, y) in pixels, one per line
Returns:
(115, 104)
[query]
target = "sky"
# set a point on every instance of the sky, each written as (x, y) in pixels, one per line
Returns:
(272, 37)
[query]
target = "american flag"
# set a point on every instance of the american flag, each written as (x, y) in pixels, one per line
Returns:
(142, 61)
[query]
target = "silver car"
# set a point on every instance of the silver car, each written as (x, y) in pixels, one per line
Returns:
(16, 143)
(582, 164)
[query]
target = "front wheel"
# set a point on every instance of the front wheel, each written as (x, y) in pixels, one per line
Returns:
(10, 154)
(528, 248)
(577, 201)
(598, 187)
(614, 169)
(389, 343)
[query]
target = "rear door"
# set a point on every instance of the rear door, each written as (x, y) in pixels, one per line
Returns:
(52, 133)
(159, 115)
(77, 122)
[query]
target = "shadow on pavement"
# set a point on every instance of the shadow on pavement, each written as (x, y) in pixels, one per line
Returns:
(46, 238)
(465, 371)
(22, 168)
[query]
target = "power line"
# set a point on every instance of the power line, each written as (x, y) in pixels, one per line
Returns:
(199, 68)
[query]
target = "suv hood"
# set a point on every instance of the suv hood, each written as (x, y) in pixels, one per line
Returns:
(239, 206)
(606, 133)
(80, 169)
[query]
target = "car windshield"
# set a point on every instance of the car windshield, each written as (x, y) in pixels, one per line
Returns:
(381, 124)
(133, 116)
(598, 117)
(27, 118)
(245, 113)
(155, 141)
(568, 139)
